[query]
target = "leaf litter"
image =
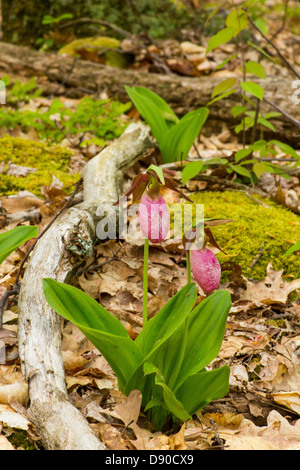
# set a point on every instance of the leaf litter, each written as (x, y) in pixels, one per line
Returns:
(261, 343)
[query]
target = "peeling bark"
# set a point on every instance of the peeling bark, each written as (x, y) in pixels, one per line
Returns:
(57, 255)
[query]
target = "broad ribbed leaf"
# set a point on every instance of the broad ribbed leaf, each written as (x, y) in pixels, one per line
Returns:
(171, 402)
(199, 389)
(168, 319)
(161, 328)
(150, 112)
(178, 141)
(165, 110)
(12, 239)
(207, 324)
(105, 331)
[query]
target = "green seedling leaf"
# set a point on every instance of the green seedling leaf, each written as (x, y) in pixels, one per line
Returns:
(259, 168)
(199, 389)
(292, 249)
(237, 20)
(12, 239)
(254, 89)
(266, 123)
(242, 154)
(285, 148)
(191, 170)
(221, 65)
(223, 86)
(220, 38)
(105, 331)
(240, 170)
(237, 110)
(220, 97)
(256, 69)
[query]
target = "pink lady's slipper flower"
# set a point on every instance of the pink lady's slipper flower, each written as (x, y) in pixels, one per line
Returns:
(201, 261)
(206, 269)
(154, 218)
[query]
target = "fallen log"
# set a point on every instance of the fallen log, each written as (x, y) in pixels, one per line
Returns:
(58, 253)
(61, 75)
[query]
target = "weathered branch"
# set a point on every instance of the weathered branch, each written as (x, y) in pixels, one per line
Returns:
(57, 255)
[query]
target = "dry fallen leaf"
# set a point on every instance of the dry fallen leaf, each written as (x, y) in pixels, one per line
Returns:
(272, 290)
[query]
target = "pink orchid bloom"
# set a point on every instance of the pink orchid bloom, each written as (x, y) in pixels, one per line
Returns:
(206, 269)
(154, 217)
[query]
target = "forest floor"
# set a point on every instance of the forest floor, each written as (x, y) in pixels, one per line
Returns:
(262, 338)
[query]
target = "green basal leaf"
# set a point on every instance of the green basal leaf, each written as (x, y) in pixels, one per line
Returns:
(162, 325)
(165, 110)
(150, 112)
(171, 402)
(12, 239)
(191, 170)
(199, 389)
(153, 341)
(105, 331)
(177, 142)
(206, 330)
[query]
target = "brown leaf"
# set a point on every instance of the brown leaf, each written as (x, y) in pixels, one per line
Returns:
(272, 290)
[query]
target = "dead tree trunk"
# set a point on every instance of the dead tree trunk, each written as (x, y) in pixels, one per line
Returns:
(62, 75)
(60, 425)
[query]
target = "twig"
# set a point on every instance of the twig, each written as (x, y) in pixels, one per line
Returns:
(287, 63)
(286, 3)
(283, 112)
(16, 287)
(100, 22)
(218, 439)
(257, 257)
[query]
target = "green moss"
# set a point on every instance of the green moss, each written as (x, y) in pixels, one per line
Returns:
(19, 438)
(47, 159)
(253, 226)
(102, 44)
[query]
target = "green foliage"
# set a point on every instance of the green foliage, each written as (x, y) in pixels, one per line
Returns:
(101, 118)
(167, 360)
(174, 137)
(254, 225)
(47, 159)
(12, 239)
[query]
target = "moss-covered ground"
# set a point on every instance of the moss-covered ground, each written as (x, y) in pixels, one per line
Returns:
(47, 159)
(274, 228)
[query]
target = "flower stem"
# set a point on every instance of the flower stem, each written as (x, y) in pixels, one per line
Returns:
(145, 281)
(188, 267)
